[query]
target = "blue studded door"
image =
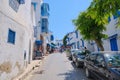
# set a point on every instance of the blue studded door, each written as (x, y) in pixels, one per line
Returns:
(113, 44)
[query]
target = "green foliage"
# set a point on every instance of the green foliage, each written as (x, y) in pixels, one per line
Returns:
(91, 23)
(64, 40)
(90, 28)
(102, 9)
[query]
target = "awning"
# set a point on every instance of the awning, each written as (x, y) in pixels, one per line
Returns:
(38, 42)
(51, 45)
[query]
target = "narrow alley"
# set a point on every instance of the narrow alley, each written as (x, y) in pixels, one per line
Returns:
(57, 67)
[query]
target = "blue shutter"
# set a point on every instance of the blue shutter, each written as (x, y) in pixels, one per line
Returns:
(113, 43)
(11, 36)
(44, 25)
(52, 38)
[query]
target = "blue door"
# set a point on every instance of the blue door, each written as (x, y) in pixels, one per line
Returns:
(113, 43)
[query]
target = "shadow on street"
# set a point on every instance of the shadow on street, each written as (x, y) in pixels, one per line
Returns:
(75, 74)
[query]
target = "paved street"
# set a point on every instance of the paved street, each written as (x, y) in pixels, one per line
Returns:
(57, 67)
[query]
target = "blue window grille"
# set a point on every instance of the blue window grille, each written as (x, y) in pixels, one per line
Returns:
(11, 36)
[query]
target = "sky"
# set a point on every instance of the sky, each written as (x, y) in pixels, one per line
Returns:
(62, 12)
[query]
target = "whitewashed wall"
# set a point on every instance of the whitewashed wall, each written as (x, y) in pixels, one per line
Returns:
(12, 60)
(110, 31)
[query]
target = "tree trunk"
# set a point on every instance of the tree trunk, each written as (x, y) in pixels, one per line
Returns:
(99, 44)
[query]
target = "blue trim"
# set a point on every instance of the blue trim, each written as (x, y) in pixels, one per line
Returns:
(45, 9)
(11, 36)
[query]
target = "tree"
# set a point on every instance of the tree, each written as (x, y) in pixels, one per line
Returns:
(64, 40)
(102, 9)
(92, 22)
(90, 29)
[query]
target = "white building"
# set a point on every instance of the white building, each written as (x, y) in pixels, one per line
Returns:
(50, 37)
(44, 24)
(75, 40)
(113, 32)
(37, 8)
(59, 43)
(16, 37)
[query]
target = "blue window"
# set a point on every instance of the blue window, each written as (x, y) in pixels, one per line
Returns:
(45, 9)
(76, 34)
(52, 38)
(11, 36)
(44, 25)
(78, 44)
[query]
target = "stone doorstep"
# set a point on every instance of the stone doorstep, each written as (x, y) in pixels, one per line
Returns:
(30, 67)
